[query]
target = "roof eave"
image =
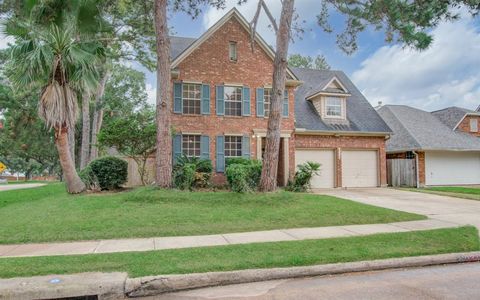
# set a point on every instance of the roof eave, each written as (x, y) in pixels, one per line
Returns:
(303, 131)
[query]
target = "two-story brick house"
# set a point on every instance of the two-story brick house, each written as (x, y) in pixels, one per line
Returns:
(221, 97)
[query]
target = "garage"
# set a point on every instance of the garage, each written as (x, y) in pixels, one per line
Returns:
(325, 157)
(359, 168)
(452, 168)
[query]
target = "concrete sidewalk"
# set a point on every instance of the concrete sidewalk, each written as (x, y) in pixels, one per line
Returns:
(9, 187)
(161, 243)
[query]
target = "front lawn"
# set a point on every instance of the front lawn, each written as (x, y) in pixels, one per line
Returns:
(49, 214)
(249, 256)
(472, 193)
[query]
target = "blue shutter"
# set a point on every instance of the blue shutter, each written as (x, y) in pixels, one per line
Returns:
(246, 146)
(177, 98)
(285, 104)
(220, 100)
(260, 105)
(246, 101)
(205, 108)
(177, 147)
(205, 147)
(220, 158)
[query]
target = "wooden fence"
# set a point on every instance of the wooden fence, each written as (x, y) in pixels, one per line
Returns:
(401, 172)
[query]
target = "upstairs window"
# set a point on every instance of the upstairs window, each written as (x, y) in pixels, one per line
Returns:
(473, 125)
(233, 146)
(191, 98)
(233, 100)
(232, 51)
(333, 107)
(191, 145)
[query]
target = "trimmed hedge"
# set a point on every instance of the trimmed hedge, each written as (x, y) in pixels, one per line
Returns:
(243, 175)
(106, 173)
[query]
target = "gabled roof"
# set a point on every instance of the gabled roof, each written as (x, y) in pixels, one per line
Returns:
(334, 87)
(415, 129)
(361, 116)
(181, 50)
(452, 116)
(179, 44)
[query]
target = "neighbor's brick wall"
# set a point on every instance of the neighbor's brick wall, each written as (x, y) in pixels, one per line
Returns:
(346, 142)
(465, 125)
(210, 64)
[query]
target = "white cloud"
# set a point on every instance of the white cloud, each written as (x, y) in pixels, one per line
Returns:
(306, 9)
(445, 74)
(151, 93)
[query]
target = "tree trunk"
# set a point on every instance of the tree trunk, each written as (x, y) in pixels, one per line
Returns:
(71, 143)
(98, 116)
(268, 180)
(85, 147)
(72, 180)
(164, 139)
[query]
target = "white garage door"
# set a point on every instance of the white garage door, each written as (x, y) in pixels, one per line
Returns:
(326, 158)
(452, 168)
(359, 168)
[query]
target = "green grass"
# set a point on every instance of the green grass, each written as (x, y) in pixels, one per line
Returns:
(248, 256)
(472, 193)
(49, 214)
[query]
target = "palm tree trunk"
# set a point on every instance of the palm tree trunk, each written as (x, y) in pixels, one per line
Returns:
(164, 139)
(85, 147)
(72, 180)
(98, 116)
(71, 143)
(268, 180)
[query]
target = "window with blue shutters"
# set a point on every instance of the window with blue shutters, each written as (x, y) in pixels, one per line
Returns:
(246, 146)
(177, 147)
(177, 98)
(246, 101)
(205, 147)
(220, 154)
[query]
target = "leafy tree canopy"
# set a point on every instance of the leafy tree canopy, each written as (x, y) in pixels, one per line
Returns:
(300, 61)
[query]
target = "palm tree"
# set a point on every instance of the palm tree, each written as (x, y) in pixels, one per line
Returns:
(57, 59)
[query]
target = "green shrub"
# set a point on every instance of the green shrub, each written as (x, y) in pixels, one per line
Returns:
(106, 173)
(192, 172)
(244, 176)
(237, 161)
(301, 181)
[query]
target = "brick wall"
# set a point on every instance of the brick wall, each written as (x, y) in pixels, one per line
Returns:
(210, 64)
(346, 142)
(465, 125)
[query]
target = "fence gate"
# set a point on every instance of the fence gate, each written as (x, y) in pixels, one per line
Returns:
(401, 172)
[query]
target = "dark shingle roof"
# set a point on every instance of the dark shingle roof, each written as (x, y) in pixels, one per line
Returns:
(179, 44)
(361, 116)
(415, 129)
(450, 116)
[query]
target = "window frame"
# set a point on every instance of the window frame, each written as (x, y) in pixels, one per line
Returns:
(228, 103)
(232, 51)
(195, 143)
(341, 107)
(266, 111)
(194, 100)
(238, 142)
(475, 127)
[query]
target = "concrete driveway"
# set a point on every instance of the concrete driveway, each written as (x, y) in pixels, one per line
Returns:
(450, 209)
(9, 187)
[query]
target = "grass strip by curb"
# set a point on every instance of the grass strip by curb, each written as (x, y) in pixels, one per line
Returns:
(448, 193)
(248, 256)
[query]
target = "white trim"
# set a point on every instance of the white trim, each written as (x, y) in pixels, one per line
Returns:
(232, 13)
(191, 133)
(233, 134)
(191, 82)
(235, 84)
(323, 93)
(339, 83)
(303, 131)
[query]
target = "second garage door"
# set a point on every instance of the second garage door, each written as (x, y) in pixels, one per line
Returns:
(452, 168)
(359, 168)
(326, 178)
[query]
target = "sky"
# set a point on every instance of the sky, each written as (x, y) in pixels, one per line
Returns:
(445, 74)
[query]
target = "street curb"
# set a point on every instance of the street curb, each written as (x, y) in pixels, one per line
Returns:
(155, 285)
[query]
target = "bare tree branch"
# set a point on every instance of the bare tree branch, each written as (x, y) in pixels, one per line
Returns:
(270, 16)
(253, 24)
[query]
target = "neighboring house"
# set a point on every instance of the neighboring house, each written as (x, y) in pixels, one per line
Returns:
(460, 119)
(221, 100)
(444, 155)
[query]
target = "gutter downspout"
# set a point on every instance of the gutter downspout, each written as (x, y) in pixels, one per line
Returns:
(416, 169)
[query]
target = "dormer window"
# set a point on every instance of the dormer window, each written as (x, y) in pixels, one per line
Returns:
(473, 125)
(333, 107)
(232, 51)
